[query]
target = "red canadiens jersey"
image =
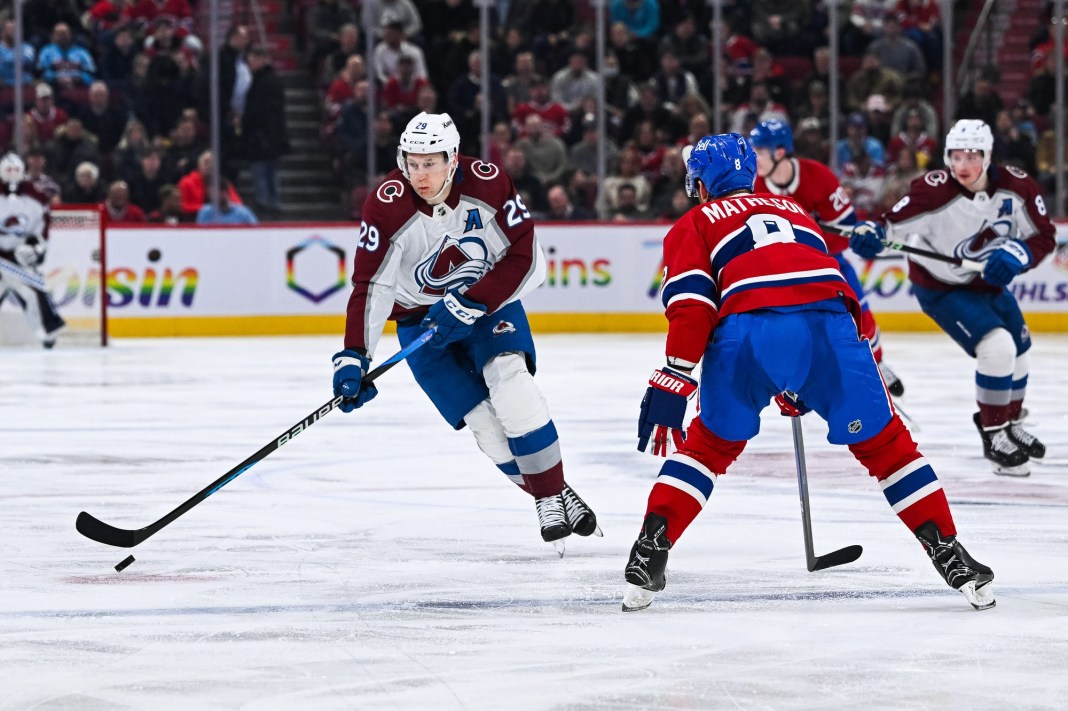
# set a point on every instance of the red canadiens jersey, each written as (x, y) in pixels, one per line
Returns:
(738, 254)
(409, 253)
(816, 189)
(939, 214)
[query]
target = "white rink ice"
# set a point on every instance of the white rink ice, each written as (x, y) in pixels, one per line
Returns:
(378, 561)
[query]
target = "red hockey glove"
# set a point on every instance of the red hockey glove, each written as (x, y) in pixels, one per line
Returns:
(790, 405)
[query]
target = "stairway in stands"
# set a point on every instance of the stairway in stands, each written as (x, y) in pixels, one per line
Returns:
(308, 191)
(1014, 22)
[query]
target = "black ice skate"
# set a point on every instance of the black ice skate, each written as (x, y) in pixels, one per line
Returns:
(1008, 458)
(648, 561)
(553, 520)
(1025, 440)
(580, 516)
(959, 569)
(893, 383)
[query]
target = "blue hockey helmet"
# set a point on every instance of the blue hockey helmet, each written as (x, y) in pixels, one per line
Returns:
(772, 134)
(723, 163)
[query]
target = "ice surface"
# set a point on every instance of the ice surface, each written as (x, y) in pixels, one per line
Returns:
(379, 561)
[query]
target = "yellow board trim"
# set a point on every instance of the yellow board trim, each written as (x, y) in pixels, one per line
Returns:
(541, 323)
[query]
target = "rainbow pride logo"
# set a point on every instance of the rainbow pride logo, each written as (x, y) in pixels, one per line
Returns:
(308, 291)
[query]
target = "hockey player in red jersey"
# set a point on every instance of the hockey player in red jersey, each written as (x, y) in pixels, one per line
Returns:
(816, 189)
(447, 243)
(751, 289)
(23, 243)
(980, 212)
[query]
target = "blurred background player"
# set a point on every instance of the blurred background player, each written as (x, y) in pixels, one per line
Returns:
(446, 242)
(977, 211)
(23, 242)
(815, 188)
(753, 271)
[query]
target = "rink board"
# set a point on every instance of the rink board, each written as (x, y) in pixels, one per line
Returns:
(294, 279)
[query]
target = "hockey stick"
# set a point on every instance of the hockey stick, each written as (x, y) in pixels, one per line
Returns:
(815, 562)
(969, 264)
(22, 274)
(92, 527)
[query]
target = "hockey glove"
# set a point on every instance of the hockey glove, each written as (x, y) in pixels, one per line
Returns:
(1006, 262)
(663, 409)
(867, 239)
(454, 316)
(790, 405)
(29, 253)
(350, 367)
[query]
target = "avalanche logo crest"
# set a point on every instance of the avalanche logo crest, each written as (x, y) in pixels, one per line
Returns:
(989, 238)
(502, 328)
(15, 224)
(457, 262)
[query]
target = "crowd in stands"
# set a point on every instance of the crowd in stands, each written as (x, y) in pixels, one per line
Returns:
(658, 86)
(115, 95)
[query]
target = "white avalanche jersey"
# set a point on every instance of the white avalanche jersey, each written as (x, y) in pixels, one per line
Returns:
(409, 253)
(22, 214)
(941, 215)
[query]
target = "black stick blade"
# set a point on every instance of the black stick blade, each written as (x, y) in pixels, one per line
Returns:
(838, 557)
(92, 527)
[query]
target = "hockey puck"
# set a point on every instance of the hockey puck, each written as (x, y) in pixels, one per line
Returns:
(124, 564)
(154, 255)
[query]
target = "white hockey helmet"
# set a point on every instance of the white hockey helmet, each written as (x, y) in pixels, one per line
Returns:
(12, 169)
(429, 133)
(969, 135)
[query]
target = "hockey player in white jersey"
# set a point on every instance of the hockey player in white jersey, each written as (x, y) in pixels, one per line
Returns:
(23, 242)
(980, 212)
(447, 243)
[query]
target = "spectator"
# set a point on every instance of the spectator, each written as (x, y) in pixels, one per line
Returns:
(102, 119)
(642, 17)
(634, 60)
(650, 149)
(263, 128)
(64, 64)
(70, 147)
(777, 25)
(858, 141)
(865, 24)
(501, 140)
(116, 65)
(118, 205)
(878, 115)
(759, 107)
(629, 173)
(126, 160)
(46, 116)
(351, 138)
(349, 46)
(184, 150)
(550, 24)
(393, 12)
(387, 54)
(627, 208)
(86, 188)
(343, 87)
(914, 139)
(1042, 89)
(170, 208)
(533, 192)
(765, 71)
(898, 52)
(561, 209)
(546, 154)
(574, 82)
(672, 81)
(982, 100)
(7, 56)
(688, 45)
(465, 101)
(1023, 117)
(145, 184)
(36, 161)
(811, 142)
(555, 116)
(194, 186)
(689, 106)
(400, 92)
(229, 213)
(1013, 147)
(517, 84)
(863, 179)
(914, 99)
(922, 22)
(649, 108)
(667, 181)
(583, 155)
(698, 129)
(620, 94)
(817, 108)
(324, 27)
(898, 179)
(873, 78)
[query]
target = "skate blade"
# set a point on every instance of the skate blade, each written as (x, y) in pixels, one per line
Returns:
(1021, 470)
(597, 532)
(559, 546)
(981, 599)
(636, 598)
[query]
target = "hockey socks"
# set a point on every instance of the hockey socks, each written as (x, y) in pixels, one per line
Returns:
(537, 457)
(909, 484)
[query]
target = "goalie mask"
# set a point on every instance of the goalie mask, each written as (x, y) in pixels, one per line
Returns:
(969, 135)
(12, 170)
(430, 133)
